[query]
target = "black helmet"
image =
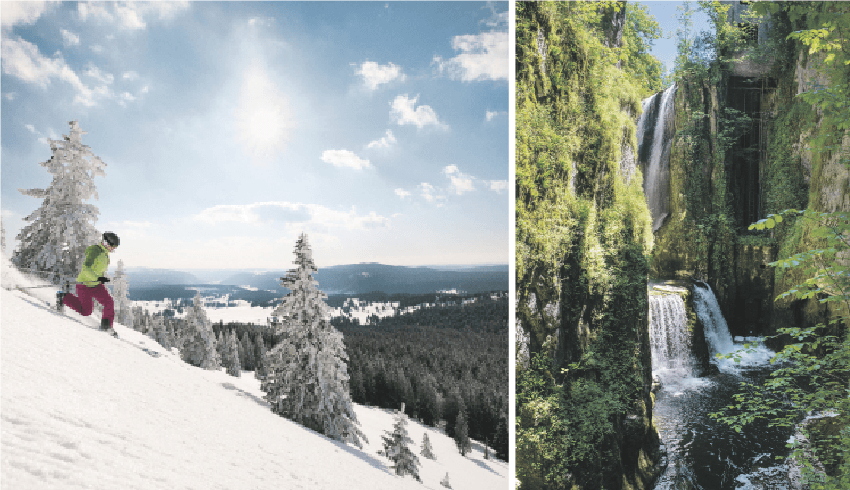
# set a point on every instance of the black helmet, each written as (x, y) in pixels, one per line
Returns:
(111, 239)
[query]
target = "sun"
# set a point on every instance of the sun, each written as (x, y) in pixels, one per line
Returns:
(263, 120)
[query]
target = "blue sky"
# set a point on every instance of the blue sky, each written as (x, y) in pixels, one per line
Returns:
(668, 14)
(379, 129)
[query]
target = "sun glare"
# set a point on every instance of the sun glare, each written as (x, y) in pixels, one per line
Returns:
(263, 119)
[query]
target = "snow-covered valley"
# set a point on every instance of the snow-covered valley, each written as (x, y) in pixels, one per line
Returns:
(228, 310)
(81, 409)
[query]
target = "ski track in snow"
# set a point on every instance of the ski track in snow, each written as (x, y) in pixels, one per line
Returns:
(81, 409)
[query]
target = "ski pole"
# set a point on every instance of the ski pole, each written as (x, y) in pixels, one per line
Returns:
(66, 289)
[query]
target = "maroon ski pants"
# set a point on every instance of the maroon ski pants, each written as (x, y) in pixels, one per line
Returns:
(82, 302)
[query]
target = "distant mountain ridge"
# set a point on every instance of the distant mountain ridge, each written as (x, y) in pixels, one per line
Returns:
(347, 279)
(144, 277)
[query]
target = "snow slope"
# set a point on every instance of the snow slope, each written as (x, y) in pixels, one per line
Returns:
(81, 409)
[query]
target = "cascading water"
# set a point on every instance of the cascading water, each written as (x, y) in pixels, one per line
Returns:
(703, 453)
(672, 359)
(655, 130)
(716, 330)
(718, 337)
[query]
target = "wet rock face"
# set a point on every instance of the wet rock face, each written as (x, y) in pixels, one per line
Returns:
(613, 24)
(751, 308)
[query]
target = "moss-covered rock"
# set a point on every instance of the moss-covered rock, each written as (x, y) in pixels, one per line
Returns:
(583, 234)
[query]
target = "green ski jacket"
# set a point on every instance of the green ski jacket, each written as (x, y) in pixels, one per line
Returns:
(97, 261)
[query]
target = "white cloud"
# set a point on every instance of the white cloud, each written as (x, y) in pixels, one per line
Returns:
(261, 21)
(498, 185)
(403, 113)
(344, 158)
(494, 114)
(304, 216)
(15, 13)
(402, 193)
(384, 142)
(498, 19)
(350, 220)
(10, 95)
(21, 59)
(94, 72)
(41, 137)
(483, 57)
(69, 38)
(428, 192)
(97, 48)
(460, 182)
(130, 76)
(374, 74)
(129, 15)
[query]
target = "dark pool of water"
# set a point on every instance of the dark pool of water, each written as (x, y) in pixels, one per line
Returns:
(706, 454)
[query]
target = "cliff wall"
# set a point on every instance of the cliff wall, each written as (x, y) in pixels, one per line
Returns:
(745, 148)
(584, 405)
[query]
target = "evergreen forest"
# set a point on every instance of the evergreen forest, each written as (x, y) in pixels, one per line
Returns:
(438, 361)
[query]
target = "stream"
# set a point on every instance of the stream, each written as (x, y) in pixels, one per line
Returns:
(703, 453)
(706, 454)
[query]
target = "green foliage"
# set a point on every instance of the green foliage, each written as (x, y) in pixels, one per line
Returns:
(570, 125)
(560, 429)
(826, 268)
(814, 370)
(823, 30)
(583, 231)
(640, 31)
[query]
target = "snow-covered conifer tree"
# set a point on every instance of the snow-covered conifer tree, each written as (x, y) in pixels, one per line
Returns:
(248, 349)
(240, 351)
(199, 345)
(427, 450)
(219, 344)
(121, 295)
(306, 377)
(462, 431)
(445, 481)
(173, 337)
(230, 359)
(259, 356)
(500, 439)
(159, 333)
(146, 323)
(55, 240)
(397, 449)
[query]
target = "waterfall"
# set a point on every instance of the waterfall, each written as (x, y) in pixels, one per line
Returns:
(655, 137)
(672, 358)
(717, 333)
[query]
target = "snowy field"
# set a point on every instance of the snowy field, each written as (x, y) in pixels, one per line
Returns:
(245, 313)
(81, 409)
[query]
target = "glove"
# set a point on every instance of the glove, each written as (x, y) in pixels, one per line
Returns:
(103, 279)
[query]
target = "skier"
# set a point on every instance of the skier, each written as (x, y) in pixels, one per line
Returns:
(90, 283)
